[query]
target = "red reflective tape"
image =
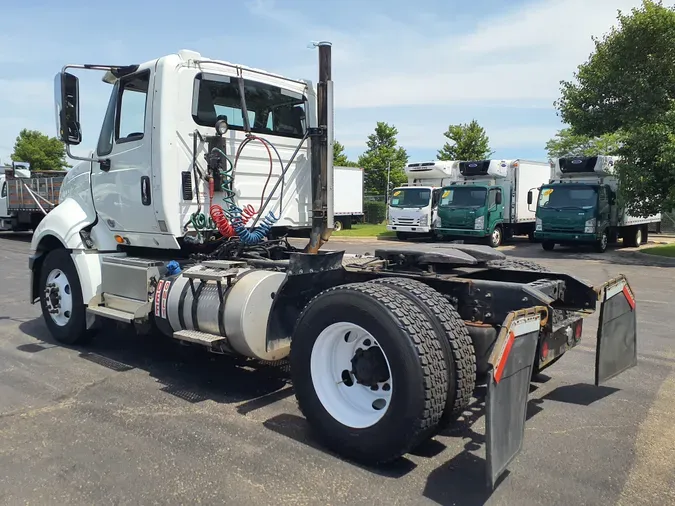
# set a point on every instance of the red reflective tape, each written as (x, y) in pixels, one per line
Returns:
(165, 294)
(629, 296)
(503, 357)
(158, 294)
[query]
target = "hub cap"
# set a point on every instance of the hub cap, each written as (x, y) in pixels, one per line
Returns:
(58, 297)
(351, 375)
(638, 238)
(603, 241)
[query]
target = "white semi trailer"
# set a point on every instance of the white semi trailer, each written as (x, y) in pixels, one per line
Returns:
(167, 226)
(413, 207)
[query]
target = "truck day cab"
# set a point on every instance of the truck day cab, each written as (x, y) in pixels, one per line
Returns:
(581, 205)
(413, 206)
(488, 202)
(155, 230)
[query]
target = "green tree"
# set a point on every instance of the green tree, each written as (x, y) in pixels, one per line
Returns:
(41, 151)
(383, 151)
(567, 143)
(628, 85)
(467, 142)
(340, 158)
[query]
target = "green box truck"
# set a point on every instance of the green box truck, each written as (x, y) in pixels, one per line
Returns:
(581, 204)
(488, 202)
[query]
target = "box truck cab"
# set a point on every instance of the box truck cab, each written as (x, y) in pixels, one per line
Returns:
(580, 205)
(489, 201)
(413, 206)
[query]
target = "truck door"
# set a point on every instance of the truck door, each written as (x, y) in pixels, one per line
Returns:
(122, 189)
(603, 207)
(435, 197)
(495, 211)
(3, 198)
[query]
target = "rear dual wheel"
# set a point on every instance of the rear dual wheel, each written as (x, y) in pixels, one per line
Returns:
(373, 370)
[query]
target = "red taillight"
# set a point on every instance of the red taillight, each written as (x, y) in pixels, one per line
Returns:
(544, 350)
(577, 330)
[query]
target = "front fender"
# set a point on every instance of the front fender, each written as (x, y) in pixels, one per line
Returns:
(64, 223)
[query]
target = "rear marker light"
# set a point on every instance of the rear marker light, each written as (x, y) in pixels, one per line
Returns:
(504, 357)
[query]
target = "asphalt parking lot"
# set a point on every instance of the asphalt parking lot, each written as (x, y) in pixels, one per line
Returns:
(132, 420)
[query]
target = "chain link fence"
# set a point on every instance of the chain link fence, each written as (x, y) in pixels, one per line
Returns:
(668, 222)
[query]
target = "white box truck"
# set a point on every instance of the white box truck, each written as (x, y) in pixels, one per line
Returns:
(347, 196)
(581, 205)
(412, 209)
(489, 201)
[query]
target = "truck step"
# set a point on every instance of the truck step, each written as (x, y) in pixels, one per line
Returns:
(223, 264)
(195, 336)
(110, 313)
(210, 274)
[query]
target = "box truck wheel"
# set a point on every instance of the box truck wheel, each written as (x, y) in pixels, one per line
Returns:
(61, 299)
(601, 245)
(495, 238)
(337, 225)
(548, 245)
(368, 371)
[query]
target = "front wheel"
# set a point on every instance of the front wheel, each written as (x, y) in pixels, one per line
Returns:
(368, 371)
(601, 245)
(548, 245)
(495, 239)
(61, 299)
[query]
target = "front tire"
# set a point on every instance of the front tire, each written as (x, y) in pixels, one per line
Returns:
(61, 299)
(495, 238)
(376, 404)
(548, 245)
(601, 245)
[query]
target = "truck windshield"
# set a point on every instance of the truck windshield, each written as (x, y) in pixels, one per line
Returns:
(271, 109)
(410, 197)
(568, 196)
(463, 196)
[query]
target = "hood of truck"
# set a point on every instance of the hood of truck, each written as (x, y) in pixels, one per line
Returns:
(564, 220)
(459, 217)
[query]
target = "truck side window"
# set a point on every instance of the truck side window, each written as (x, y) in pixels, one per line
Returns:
(436, 198)
(3, 193)
(492, 198)
(131, 110)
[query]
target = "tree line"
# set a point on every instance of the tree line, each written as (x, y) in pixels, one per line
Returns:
(621, 101)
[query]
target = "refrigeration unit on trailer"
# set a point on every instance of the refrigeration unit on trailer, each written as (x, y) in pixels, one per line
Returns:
(27, 196)
(178, 223)
(489, 200)
(581, 204)
(348, 196)
(412, 206)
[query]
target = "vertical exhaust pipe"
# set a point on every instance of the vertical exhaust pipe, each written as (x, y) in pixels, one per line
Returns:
(322, 155)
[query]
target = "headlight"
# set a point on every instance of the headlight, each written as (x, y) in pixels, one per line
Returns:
(589, 227)
(479, 223)
(537, 226)
(424, 220)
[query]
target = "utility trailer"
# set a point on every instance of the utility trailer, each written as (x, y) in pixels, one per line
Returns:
(384, 350)
(26, 197)
(348, 192)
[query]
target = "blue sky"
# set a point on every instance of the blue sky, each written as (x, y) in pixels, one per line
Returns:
(417, 65)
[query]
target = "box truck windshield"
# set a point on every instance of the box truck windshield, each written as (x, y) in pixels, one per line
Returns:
(464, 196)
(568, 196)
(410, 197)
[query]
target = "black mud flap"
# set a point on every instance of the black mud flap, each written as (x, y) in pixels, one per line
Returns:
(509, 376)
(616, 349)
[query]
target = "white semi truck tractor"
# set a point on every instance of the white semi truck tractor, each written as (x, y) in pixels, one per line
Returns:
(178, 221)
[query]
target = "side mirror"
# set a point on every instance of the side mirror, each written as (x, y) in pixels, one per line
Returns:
(529, 198)
(498, 198)
(67, 98)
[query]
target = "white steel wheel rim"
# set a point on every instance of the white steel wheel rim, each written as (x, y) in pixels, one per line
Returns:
(337, 226)
(495, 236)
(59, 297)
(604, 240)
(639, 237)
(356, 406)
